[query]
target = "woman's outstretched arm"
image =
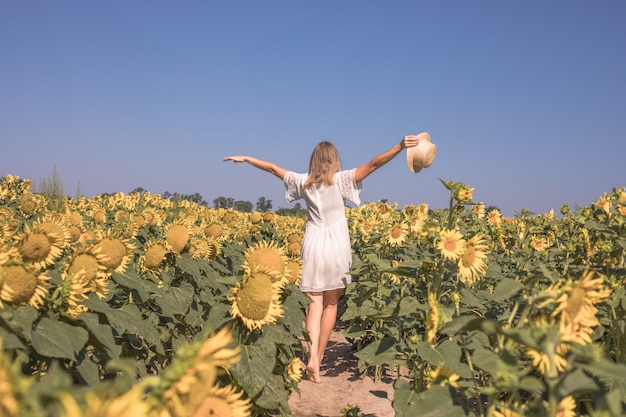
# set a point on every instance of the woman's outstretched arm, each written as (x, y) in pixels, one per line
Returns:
(261, 164)
(381, 159)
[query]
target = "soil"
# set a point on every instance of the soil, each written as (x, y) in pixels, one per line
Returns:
(342, 385)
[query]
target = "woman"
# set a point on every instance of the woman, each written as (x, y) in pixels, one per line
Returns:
(326, 251)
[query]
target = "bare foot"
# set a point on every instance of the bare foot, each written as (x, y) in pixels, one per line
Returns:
(313, 373)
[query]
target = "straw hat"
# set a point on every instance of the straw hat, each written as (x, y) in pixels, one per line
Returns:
(422, 155)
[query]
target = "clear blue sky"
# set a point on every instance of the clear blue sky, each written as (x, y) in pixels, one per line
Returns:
(526, 100)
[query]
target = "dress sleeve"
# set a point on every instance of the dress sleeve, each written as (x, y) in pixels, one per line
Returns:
(293, 186)
(350, 189)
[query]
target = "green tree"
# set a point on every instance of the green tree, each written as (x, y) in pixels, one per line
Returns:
(263, 204)
(223, 202)
(244, 206)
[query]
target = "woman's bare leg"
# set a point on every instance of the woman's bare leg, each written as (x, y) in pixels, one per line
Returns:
(312, 325)
(328, 319)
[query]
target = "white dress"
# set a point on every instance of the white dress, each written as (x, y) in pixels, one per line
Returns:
(326, 252)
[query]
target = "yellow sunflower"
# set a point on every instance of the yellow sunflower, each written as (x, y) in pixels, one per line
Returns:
(471, 263)
(538, 243)
(397, 234)
(294, 369)
(216, 231)
(214, 248)
(37, 249)
(75, 290)
(153, 257)
(20, 285)
(566, 407)
(129, 404)
(576, 307)
(451, 244)
(114, 253)
(443, 376)
(95, 273)
(269, 257)
(256, 299)
(177, 236)
(494, 217)
(190, 386)
(294, 271)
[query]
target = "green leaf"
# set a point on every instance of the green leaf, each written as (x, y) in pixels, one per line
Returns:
(577, 382)
(437, 401)
(507, 288)
(430, 354)
(175, 300)
(455, 326)
(56, 339)
(101, 332)
(88, 371)
(274, 395)
(254, 369)
(377, 353)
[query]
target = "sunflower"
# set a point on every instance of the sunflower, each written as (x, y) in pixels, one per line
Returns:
(76, 289)
(479, 210)
(464, 194)
(416, 225)
(37, 249)
(20, 285)
(153, 257)
(566, 407)
(471, 263)
(443, 376)
(214, 248)
(177, 236)
(294, 268)
(216, 231)
(114, 253)
(256, 299)
(269, 257)
(189, 384)
(256, 217)
(294, 369)
(55, 228)
(95, 273)
(451, 244)
(397, 234)
(99, 216)
(223, 401)
(541, 360)
(576, 307)
(538, 243)
(129, 404)
(494, 217)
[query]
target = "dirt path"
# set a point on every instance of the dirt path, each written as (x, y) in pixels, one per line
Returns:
(341, 386)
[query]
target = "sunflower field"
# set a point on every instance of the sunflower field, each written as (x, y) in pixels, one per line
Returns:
(137, 305)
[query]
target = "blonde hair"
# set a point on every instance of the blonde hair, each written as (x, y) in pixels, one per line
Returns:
(323, 165)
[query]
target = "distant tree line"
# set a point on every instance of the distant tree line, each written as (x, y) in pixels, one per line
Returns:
(263, 204)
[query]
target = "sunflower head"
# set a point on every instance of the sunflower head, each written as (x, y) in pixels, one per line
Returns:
(451, 244)
(294, 369)
(268, 257)
(256, 299)
(177, 236)
(397, 234)
(153, 256)
(215, 231)
(114, 253)
(256, 217)
(21, 285)
(471, 263)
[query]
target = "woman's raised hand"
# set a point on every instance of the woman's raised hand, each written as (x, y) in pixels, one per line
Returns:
(410, 141)
(235, 158)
